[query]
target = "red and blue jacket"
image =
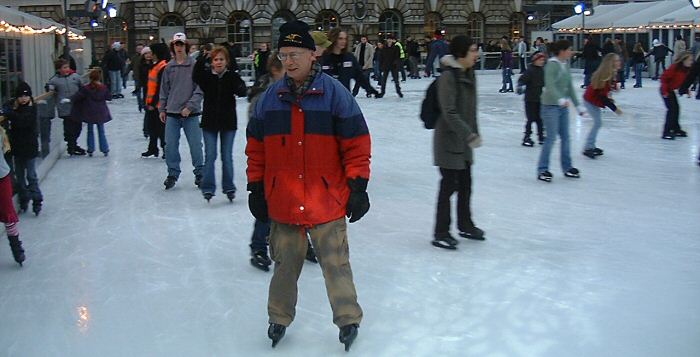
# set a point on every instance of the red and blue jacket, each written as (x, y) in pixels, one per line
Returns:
(305, 149)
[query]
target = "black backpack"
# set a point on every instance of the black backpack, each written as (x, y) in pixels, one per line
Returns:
(430, 108)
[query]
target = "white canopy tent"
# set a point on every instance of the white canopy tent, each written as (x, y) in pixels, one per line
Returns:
(636, 16)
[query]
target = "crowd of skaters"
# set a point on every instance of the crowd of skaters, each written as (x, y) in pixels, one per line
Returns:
(182, 88)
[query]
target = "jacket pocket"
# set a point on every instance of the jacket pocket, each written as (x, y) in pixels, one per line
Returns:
(330, 191)
(268, 193)
(453, 144)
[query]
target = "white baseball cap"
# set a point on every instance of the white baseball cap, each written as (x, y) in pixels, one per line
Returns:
(179, 37)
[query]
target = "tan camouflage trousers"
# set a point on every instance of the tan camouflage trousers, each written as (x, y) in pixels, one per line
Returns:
(288, 247)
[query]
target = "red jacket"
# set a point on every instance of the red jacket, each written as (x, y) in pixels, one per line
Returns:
(600, 97)
(673, 78)
(305, 150)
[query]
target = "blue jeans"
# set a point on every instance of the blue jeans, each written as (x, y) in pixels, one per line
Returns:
(507, 73)
(210, 146)
(556, 122)
(260, 234)
(115, 82)
(638, 74)
(594, 112)
(193, 133)
(27, 180)
(104, 147)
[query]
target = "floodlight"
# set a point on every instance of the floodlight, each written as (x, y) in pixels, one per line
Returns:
(579, 8)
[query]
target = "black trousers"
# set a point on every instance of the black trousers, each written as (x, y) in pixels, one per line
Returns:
(659, 64)
(672, 114)
(71, 131)
(363, 82)
(532, 112)
(521, 63)
(459, 181)
(394, 76)
(156, 130)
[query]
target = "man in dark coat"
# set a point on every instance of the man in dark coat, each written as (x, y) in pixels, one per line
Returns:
(113, 63)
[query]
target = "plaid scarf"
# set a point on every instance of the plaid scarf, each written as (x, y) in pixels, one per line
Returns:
(315, 69)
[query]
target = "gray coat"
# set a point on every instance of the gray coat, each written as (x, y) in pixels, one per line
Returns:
(64, 87)
(456, 126)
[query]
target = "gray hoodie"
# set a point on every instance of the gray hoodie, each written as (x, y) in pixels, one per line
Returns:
(64, 87)
(177, 90)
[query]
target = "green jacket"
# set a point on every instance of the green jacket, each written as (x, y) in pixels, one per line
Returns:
(403, 53)
(557, 84)
(457, 124)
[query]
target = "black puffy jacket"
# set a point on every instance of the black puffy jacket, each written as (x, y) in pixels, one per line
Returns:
(23, 130)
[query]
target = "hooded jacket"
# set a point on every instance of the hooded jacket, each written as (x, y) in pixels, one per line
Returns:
(533, 80)
(457, 123)
(90, 104)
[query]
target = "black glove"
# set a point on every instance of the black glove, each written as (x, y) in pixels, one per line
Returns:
(358, 203)
(256, 200)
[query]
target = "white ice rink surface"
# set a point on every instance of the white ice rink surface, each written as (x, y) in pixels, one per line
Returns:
(607, 265)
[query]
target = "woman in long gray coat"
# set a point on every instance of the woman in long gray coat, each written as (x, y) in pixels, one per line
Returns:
(456, 135)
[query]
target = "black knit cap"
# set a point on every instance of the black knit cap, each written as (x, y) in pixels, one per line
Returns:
(296, 34)
(23, 89)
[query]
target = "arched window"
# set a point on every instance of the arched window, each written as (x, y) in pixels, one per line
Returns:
(117, 30)
(327, 20)
(433, 21)
(280, 18)
(170, 24)
(172, 19)
(239, 32)
(390, 22)
(517, 25)
(475, 27)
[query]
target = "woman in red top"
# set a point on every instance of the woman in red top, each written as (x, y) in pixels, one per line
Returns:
(597, 96)
(673, 79)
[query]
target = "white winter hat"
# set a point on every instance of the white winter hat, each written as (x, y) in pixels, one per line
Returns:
(116, 45)
(656, 42)
(145, 50)
(179, 37)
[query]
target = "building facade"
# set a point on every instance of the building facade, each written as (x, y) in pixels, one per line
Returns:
(249, 23)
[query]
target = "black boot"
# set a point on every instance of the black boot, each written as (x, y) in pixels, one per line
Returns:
(540, 139)
(16, 247)
(208, 196)
(347, 335)
(474, 233)
(527, 141)
(445, 241)
(260, 260)
(36, 207)
(231, 195)
(170, 182)
(379, 95)
(311, 254)
(23, 205)
(197, 180)
(150, 153)
(275, 332)
(589, 153)
(75, 151)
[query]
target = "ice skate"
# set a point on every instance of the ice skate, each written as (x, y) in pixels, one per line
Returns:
(347, 335)
(598, 151)
(311, 254)
(589, 153)
(260, 260)
(473, 233)
(170, 182)
(527, 141)
(197, 180)
(545, 176)
(36, 207)
(150, 153)
(23, 205)
(208, 196)
(231, 195)
(445, 241)
(17, 250)
(275, 332)
(572, 173)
